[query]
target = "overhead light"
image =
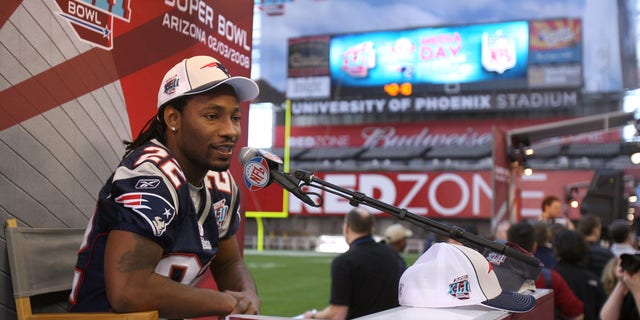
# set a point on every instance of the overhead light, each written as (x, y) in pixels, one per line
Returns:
(571, 198)
(524, 151)
(527, 171)
(573, 203)
(529, 152)
(635, 158)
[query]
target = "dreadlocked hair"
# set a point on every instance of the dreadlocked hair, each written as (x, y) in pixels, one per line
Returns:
(155, 128)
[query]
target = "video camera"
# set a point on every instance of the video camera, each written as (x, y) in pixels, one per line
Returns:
(630, 262)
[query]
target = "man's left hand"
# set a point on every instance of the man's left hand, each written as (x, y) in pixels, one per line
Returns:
(248, 302)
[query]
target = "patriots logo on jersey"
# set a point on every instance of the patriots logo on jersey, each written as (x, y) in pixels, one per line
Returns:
(151, 207)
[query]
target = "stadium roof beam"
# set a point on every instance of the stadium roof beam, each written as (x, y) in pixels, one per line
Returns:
(533, 134)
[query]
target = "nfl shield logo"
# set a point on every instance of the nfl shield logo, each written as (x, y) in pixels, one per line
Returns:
(256, 174)
(498, 52)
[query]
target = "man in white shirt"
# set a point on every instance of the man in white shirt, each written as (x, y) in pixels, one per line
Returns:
(622, 239)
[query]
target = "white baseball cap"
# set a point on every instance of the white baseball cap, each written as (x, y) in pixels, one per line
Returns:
(201, 73)
(449, 275)
(396, 232)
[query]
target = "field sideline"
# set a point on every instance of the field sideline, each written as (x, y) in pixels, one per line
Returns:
(291, 282)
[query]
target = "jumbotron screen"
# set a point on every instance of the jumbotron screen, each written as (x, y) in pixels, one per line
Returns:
(431, 56)
(516, 55)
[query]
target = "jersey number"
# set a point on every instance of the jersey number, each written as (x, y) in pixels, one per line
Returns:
(170, 168)
(182, 268)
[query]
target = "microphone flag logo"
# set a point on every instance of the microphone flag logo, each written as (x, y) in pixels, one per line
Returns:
(256, 173)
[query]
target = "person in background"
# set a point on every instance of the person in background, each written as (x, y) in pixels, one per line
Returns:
(364, 279)
(566, 303)
(621, 238)
(501, 231)
(431, 239)
(543, 250)
(572, 251)
(396, 237)
(591, 228)
(170, 211)
(624, 301)
(609, 276)
(552, 212)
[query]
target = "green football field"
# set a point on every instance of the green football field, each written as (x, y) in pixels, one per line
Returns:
(291, 282)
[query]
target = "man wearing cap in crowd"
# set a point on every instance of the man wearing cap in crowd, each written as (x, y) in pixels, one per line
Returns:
(396, 237)
(169, 212)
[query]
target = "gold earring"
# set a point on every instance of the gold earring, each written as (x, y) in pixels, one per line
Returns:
(173, 129)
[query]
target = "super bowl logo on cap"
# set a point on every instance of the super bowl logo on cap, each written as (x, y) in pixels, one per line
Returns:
(171, 84)
(496, 258)
(460, 288)
(256, 173)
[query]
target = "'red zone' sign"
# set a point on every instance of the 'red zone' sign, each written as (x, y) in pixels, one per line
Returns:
(458, 194)
(435, 194)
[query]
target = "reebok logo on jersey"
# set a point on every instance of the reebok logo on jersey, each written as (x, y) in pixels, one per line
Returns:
(147, 184)
(154, 209)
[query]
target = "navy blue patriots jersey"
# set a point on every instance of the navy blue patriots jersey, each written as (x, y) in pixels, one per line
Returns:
(148, 194)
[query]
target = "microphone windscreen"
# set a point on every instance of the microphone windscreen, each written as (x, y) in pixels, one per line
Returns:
(246, 153)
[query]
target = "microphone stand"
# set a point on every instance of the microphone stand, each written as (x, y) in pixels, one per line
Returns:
(454, 232)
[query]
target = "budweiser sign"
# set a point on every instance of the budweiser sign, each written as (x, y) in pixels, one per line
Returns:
(389, 137)
(416, 134)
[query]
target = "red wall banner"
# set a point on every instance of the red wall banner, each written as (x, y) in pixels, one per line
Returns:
(134, 44)
(433, 194)
(438, 194)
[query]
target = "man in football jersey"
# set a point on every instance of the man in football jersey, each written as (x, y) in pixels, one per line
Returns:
(169, 212)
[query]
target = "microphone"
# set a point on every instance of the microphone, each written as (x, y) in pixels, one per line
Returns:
(261, 168)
